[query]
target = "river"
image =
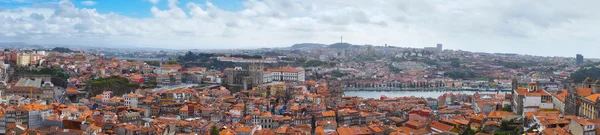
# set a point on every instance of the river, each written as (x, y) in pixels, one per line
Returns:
(426, 94)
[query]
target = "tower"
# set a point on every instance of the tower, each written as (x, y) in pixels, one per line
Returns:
(579, 59)
(532, 87)
(256, 72)
(596, 87)
(571, 102)
(587, 83)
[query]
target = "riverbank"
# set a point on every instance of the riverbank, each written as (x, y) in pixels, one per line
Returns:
(419, 89)
(425, 94)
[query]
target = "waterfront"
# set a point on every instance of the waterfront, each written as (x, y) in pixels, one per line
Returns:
(426, 94)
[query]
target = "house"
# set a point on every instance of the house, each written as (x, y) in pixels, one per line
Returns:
(581, 126)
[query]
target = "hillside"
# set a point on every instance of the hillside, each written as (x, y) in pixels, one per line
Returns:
(340, 45)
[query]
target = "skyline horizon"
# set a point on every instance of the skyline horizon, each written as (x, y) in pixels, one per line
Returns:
(289, 46)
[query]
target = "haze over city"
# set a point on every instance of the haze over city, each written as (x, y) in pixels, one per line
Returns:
(547, 28)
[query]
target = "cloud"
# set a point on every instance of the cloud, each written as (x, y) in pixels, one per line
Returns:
(88, 3)
(154, 1)
(478, 25)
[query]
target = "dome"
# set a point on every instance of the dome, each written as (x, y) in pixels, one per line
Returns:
(588, 80)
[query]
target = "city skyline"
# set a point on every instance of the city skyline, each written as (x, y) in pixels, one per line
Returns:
(524, 27)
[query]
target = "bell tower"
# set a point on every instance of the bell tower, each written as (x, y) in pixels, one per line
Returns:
(532, 87)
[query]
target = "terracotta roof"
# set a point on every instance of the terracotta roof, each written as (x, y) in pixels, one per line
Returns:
(583, 121)
(593, 97)
(583, 92)
(498, 114)
(440, 126)
(71, 90)
(414, 123)
(285, 69)
(328, 114)
(243, 129)
(555, 131)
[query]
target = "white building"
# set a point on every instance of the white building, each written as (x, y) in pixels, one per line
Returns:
(287, 74)
(106, 95)
(267, 77)
(534, 98)
(131, 100)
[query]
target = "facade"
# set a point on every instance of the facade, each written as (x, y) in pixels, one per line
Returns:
(287, 74)
(558, 98)
(238, 78)
(579, 59)
(590, 106)
(531, 99)
(29, 58)
(30, 88)
(580, 126)
(131, 100)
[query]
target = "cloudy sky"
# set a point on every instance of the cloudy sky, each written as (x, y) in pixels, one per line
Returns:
(538, 27)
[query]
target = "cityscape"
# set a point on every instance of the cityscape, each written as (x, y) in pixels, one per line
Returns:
(172, 78)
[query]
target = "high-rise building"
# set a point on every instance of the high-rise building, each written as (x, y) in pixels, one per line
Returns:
(579, 59)
(439, 48)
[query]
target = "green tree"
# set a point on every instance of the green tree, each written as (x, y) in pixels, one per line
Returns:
(580, 75)
(172, 62)
(469, 131)
(62, 50)
(214, 130)
(507, 108)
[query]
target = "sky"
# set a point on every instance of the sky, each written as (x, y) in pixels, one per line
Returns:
(536, 27)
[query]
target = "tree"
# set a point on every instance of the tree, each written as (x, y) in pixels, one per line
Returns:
(214, 130)
(118, 85)
(172, 62)
(469, 131)
(507, 108)
(62, 50)
(580, 75)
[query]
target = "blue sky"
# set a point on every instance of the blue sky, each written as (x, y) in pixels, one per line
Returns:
(130, 8)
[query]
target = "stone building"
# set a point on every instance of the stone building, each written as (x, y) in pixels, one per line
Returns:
(242, 79)
(30, 88)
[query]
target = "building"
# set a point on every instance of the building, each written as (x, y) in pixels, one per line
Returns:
(558, 98)
(27, 58)
(579, 59)
(580, 126)
(531, 99)
(239, 78)
(287, 74)
(30, 88)
(590, 106)
(131, 100)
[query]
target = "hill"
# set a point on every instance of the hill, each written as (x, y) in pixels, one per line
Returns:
(308, 45)
(340, 45)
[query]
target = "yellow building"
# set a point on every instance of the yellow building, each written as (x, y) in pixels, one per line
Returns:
(25, 59)
(589, 106)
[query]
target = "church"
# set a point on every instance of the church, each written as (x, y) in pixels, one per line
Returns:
(583, 100)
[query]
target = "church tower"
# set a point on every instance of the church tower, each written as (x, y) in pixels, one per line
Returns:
(256, 72)
(587, 83)
(571, 106)
(596, 87)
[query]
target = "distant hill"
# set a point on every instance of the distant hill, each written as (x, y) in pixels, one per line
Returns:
(308, 45)
(340, 45)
